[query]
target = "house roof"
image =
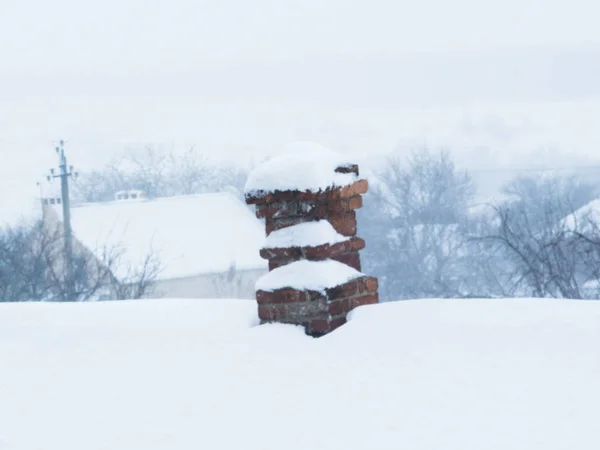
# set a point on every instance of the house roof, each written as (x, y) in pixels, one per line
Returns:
(190, 235)
(585, 216)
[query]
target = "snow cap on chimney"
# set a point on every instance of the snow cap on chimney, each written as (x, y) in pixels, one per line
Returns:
(302, 166)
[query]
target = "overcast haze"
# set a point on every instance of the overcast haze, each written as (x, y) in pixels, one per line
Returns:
(140, 34)
(491, 80)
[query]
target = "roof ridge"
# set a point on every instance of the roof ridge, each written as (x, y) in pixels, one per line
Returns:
(156, 199)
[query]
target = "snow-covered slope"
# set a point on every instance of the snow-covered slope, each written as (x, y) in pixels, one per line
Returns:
(420, 375)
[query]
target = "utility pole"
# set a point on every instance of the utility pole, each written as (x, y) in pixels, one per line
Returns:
(66, 172)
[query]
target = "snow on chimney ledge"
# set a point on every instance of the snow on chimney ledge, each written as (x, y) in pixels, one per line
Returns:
(308, 196)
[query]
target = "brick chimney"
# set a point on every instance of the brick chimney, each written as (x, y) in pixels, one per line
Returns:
(308, 197)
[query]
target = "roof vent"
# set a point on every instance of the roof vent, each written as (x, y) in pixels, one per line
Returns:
(131, 195)
(51, 201)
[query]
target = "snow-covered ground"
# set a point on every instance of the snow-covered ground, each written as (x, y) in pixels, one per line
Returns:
(421, 375)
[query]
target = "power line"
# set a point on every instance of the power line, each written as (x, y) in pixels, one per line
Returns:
(65, 172)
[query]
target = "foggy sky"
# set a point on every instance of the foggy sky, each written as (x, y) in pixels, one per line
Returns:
(136, 35)
(239, 77)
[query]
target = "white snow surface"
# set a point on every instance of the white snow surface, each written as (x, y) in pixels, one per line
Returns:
(301, 166)
(308, 275)
(190, 235)
(192, 374)
(308, 234)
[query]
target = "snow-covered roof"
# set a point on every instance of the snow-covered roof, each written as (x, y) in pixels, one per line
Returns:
(308, 275)
(199, 374)
(307, 234)
(302, 166)
(190, 235)
(584, 217)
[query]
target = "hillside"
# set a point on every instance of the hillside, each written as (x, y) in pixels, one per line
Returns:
(422, 375)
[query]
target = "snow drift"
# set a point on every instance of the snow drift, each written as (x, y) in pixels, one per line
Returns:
(421, 375)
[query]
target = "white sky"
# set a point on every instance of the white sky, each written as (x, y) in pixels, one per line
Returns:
(59, 40)
(119, 35)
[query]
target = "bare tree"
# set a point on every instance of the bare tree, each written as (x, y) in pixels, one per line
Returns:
(100, 185)
(486, 267)
(22, 262)
(32, 268)
(137, 282)
(149, 170)
(160, 172)
(191, 173)
(414, 223)
(546, 254)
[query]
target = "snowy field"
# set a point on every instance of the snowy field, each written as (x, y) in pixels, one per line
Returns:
(420, 375)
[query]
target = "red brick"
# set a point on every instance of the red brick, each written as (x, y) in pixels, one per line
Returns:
(272, 312)
(345, 223)
(280, 296)
(276, 263)
(355, 203)
(260, 211)
(306, 208)
(263, 211)
(292, 208)
(309, 196)
(319, 327)
(326, 251)
(289, 296)
(281, 223)
(261, 198)
(334, 193)
(285, 196)
(357, 188)
(313, 296)
(348, 289)
(357, 244)
(264, 297)
(316, 253)
(368, 284)
(312, 197)
(267, 198)
(291, 253)
(338, 307)
(351, 259)
(338, 322)
(271, 198)
(338, 205)
(369, 299)
(320, 211)
(346, 246)
(258, 199)
(269, 226)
